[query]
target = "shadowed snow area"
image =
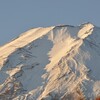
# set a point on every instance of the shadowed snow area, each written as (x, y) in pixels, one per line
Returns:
(53, 63)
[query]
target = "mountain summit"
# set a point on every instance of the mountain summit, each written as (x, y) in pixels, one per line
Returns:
(53, 63)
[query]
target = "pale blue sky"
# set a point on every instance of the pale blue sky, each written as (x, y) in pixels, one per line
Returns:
(17, 16)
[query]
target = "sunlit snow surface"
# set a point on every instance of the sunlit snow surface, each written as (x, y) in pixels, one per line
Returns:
(53, 63)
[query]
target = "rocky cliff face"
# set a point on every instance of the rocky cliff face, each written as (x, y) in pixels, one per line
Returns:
(53, 63)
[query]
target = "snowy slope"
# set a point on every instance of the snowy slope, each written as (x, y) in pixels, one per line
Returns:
(53, 63)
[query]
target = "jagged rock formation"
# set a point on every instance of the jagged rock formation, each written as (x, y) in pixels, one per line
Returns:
(54, 63)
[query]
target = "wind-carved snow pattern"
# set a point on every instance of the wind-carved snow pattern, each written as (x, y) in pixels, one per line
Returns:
(54, 63)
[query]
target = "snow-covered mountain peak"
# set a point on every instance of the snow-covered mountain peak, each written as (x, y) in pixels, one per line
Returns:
(53, 63)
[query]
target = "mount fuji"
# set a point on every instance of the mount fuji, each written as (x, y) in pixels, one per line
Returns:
(53, 63)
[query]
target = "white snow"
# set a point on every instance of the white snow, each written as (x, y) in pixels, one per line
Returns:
(23, 40)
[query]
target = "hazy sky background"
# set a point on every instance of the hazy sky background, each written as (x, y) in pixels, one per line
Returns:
(17, 16)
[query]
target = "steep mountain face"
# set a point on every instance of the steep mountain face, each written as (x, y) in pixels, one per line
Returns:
(54, 63)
